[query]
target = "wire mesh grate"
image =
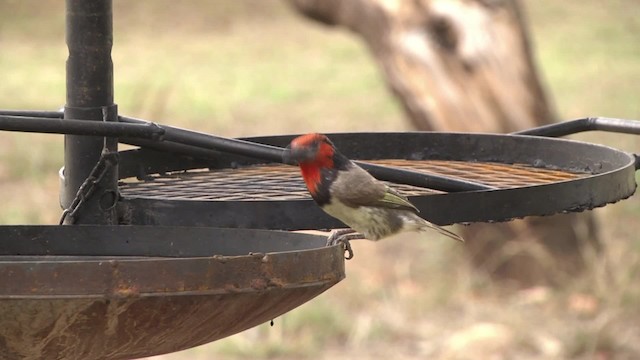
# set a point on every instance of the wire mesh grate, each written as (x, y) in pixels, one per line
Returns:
(274, 182)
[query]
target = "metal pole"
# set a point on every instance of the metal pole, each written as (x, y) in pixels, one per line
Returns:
(581, 125)
(89, 36)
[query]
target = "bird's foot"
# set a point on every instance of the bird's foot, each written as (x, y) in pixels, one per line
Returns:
(335, 236)
(343, 236)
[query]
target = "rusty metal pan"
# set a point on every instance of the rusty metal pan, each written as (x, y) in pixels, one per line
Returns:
(66, 293)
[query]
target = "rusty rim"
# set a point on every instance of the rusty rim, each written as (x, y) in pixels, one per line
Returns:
(87, 261)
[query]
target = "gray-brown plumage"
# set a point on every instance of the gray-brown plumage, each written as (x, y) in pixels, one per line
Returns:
(349, 193)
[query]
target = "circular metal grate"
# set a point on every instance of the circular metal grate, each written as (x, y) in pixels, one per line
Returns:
(282, 182)
(531, 176)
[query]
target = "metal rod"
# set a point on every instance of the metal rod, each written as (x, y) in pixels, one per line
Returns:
(79, 127)
(189, 141)
(422, 179)
(175, 148)
(147, 134)
(89, 37)
(48, 114)
(212, 142)
(386, 173)
(581, 125)
(553, 130)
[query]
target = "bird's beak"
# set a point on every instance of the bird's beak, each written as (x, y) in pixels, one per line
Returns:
(298, 155)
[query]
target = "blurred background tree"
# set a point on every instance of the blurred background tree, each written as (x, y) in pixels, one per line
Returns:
(253, 67)
(468, 66)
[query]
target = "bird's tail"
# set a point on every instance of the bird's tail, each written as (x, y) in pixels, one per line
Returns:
(427, 225)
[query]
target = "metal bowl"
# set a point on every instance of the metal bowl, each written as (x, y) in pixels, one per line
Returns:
(68, 291)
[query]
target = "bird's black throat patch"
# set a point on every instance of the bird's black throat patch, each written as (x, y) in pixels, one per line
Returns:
(328, 176)
(340, 162)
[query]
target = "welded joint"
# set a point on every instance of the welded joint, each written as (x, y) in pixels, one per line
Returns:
(157, 131)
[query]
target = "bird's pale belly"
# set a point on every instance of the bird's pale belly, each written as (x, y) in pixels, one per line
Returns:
(373, 222)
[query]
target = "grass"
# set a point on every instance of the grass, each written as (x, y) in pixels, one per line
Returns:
(251, 67)
(589, 55)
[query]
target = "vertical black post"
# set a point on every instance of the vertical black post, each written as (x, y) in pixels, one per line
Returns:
(89, 35)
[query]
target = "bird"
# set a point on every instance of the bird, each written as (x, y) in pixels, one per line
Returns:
(371, 209)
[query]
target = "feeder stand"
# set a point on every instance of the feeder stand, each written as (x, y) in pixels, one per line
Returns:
(177, 245)
(89, 36)
(105, 288)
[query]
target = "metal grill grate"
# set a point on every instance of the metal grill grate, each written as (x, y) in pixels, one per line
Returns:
(281, 182)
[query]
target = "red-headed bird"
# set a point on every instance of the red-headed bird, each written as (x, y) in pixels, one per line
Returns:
(349, 193)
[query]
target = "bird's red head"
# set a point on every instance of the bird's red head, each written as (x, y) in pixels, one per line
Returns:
(313, 152)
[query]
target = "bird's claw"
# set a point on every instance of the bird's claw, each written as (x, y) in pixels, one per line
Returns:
(336, 235)
(347, 249)
(343, 237)
(347, 246)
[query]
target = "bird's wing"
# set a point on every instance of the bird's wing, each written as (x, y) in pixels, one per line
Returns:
(393, 199)
(359, 188)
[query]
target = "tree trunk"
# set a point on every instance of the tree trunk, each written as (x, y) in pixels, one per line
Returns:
(466, 65)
